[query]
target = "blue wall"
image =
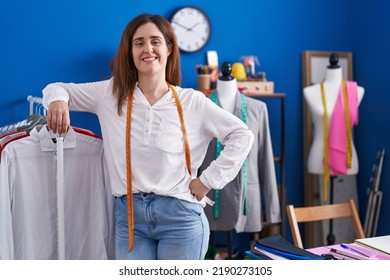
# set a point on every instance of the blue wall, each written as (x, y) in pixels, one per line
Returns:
(46, 41)
(370, 45)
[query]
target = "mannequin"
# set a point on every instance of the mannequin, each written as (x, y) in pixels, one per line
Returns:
(252, 196)
(312, 95)
(227, 88)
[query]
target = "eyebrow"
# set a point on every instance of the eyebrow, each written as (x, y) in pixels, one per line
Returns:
(151, 37)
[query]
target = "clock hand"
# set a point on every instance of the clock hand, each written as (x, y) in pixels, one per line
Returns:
(185, 27)
(190, 29)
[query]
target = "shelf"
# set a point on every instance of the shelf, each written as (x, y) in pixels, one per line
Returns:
(265, 95)
(268, 95)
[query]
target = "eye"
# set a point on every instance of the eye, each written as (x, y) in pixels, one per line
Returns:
(138, 43)
(156, 42)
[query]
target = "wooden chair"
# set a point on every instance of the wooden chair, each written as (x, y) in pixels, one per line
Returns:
(322, 212)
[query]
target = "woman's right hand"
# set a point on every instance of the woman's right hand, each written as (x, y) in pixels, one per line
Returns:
(58, 119)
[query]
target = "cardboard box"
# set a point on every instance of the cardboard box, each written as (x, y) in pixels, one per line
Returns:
(255, 87)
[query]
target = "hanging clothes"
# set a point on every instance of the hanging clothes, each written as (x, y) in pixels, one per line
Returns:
(24, 125)
(8, 138)
(28, 212)
(262, 202)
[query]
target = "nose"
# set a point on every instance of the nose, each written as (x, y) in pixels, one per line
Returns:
(148, 48)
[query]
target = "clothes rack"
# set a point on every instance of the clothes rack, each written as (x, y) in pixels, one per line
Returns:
(37, 101)
(37, 115)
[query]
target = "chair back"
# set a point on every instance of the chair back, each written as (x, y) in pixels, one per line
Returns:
(322, 212)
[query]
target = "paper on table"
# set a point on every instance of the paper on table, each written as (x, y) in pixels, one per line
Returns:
(380, 243)
(373, 254)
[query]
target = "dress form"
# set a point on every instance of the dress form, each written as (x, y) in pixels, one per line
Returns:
(312, 95)
(261, 198)
(227, 88)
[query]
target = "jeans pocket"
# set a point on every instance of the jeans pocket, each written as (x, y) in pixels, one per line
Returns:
(191, 208)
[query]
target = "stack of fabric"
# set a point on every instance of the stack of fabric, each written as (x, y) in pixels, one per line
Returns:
(275, 247)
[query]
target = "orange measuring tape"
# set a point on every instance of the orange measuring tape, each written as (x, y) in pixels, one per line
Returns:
(187, 152)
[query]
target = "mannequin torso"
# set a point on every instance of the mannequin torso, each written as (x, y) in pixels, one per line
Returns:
(312, 95)
(227, 92)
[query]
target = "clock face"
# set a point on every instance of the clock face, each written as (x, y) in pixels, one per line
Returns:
(192, 28)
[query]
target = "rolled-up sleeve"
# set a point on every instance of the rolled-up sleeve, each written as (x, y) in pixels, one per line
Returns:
(54, 92)
(79, 96)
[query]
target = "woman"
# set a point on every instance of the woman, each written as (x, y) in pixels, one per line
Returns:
(155, 137)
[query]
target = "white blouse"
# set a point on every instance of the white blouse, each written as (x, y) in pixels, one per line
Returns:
(158, 161)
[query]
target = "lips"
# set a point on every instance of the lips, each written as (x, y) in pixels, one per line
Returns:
(147, 59)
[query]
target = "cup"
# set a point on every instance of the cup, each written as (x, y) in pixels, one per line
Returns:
(204, 81)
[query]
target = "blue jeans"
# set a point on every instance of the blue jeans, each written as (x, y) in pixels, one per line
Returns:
(165, 228)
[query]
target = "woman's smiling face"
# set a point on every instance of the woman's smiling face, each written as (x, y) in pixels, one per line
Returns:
(149, 50)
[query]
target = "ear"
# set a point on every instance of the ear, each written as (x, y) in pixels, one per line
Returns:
(169, 51)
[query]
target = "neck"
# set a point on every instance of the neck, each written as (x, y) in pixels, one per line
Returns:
(334, 75)
(227, 87)
(153, 89)
(227, 91)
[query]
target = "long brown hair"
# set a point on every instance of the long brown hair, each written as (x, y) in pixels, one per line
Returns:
(124, 72)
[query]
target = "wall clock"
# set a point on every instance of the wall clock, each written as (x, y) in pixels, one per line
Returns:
(192, 28)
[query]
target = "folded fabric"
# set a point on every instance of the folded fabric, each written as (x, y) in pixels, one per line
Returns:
(249, 255)
(276, 244)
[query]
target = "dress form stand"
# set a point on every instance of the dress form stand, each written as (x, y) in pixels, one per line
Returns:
(331, 239)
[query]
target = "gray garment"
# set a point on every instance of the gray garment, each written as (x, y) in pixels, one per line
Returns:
(28, 199)
(261, 194)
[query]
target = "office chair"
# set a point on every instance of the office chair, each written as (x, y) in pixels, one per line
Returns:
(322, 212)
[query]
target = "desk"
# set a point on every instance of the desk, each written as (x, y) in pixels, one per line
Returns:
(373, 254)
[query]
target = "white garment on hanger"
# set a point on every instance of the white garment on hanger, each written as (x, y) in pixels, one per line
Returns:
(28, 200)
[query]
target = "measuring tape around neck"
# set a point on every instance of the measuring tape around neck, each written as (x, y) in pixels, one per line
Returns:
(130, 211)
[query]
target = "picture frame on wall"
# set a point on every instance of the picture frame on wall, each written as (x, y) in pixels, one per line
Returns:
(314, 65)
